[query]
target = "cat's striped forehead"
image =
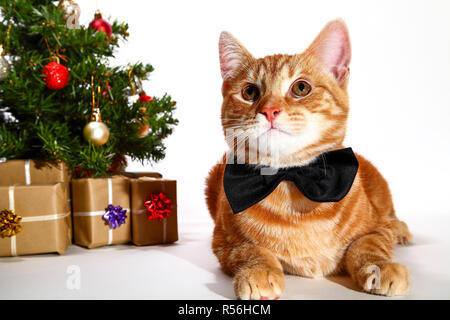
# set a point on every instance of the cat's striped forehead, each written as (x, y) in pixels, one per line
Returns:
(274, 74)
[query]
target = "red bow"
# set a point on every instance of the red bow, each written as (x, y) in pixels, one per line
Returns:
(159, 206)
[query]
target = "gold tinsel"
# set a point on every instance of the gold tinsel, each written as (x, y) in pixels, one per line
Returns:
(9, 223)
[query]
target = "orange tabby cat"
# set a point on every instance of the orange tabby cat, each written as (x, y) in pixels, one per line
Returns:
(300, 103)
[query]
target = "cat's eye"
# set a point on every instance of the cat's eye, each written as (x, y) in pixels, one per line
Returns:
(300, 88)
(250, 92)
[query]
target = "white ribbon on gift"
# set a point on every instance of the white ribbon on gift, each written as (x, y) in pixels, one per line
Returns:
(110, 201)
(29, 219)
(11, 207)
(101, 213)
(27, 172)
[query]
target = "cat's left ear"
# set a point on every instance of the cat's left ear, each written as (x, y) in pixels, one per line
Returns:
(332, 50)
(233, 55)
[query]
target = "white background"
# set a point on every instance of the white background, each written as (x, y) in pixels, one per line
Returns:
(399, 85)
(400, 109)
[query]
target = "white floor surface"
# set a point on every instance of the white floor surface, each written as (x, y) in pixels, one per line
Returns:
(189, 270)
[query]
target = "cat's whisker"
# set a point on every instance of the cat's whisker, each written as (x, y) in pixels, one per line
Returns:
(237, 138)
(234, 128)
(236, 133)
(242, 124)
(244, 127)
(238, 121)
(235, 115)
(239, 117)
(239, 133)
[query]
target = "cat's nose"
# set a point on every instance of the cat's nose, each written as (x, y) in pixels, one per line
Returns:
(270, 112)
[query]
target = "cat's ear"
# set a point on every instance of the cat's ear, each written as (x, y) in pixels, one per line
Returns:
(233, 55)
(332, 49)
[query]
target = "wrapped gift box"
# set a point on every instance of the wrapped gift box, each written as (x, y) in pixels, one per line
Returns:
(32, 172)
(154, 231)
(46, 220)
(90, 198)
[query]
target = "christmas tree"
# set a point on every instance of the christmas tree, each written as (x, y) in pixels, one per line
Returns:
(60, 98)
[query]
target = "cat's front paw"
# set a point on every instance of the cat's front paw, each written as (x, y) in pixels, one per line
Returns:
(387, 279)
(258, 283)
(402, 232)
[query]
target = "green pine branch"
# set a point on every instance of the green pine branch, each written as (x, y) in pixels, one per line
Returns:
(40, 123)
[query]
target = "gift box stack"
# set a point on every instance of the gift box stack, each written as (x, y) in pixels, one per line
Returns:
(35, 208)
(36, 215)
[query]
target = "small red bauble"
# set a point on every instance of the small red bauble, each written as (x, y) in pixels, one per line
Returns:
(56, 75)
(105, 91)
(100, 24)
(80, 172)
(145, 98)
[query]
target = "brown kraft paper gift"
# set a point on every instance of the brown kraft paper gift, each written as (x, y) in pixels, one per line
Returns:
(32, 172)
(46, 220)
(148, 232)
(90, 197)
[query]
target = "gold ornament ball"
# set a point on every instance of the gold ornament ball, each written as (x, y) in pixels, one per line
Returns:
(71, 13)
(96, 133)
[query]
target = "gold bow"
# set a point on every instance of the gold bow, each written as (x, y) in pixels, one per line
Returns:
(9, 223)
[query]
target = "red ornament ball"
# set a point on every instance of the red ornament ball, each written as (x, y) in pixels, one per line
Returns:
(105, 91)
(56, 75)
(100, 24)
(145, 98)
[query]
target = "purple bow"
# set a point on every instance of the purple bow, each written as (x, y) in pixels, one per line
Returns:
(115, 216)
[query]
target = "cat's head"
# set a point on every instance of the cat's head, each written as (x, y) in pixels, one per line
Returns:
(284, 110)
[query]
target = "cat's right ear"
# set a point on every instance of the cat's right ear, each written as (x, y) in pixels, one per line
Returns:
(233, 55)
(332, 49)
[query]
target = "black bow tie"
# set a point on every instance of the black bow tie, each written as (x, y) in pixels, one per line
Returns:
(327, 179)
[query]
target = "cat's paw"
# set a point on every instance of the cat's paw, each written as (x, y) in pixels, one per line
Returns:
(402, 232)
(258, 283)
(387, 279)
